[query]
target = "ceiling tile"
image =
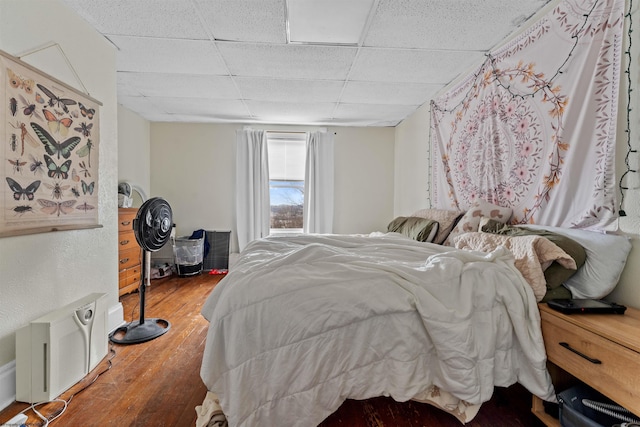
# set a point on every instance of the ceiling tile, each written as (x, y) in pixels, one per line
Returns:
(245, 20)
(189, 106)
(388, 93)
(167, 56)
(305, 91)
(373, 113)
(144, 18)
(411, 66)
(179, 85)
(327, 21)
(445, 24)
(292, 61)
(280, 112)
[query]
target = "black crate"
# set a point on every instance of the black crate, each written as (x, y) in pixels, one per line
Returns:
(218, 255)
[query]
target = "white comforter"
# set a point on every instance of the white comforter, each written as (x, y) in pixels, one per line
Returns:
(302, 323)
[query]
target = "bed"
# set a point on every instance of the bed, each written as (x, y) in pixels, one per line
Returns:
(302, 323)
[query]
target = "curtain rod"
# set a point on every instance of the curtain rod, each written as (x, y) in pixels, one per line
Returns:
(291, 131)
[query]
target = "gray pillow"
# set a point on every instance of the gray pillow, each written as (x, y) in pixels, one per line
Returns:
(420, 229)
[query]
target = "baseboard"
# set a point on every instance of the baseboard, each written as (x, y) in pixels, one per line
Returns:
(7, 384)
(115, 317)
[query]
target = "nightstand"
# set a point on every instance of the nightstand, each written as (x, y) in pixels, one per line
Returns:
(600, 350)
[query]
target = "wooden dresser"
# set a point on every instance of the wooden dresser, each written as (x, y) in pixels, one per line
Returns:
(600, 350)
(129, 253)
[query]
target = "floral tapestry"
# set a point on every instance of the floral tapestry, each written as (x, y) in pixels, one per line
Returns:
(533, 128)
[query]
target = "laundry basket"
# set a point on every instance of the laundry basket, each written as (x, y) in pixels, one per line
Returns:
(188, 254)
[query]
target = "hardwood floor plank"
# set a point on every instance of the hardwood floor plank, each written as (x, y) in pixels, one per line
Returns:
(158, 383)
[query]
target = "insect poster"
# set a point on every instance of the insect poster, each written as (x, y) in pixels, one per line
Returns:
(50, 135)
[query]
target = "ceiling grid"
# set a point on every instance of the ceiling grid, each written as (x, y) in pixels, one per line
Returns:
(228, 61)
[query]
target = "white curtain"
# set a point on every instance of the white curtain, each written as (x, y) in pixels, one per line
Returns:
(318, 183)
(252, 186)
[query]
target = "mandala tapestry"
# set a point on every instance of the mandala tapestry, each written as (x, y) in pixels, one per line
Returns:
(533, 128)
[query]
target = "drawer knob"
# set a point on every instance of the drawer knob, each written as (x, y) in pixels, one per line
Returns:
(584, 356)
(124, 242)
(125, 223)
(124, 260)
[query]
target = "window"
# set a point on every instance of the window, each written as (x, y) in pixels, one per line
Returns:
(287, 155)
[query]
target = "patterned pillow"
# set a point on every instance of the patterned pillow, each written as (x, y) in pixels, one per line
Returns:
(470, 221)
(445, 218)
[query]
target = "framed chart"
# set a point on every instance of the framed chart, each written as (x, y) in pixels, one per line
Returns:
(50, 135)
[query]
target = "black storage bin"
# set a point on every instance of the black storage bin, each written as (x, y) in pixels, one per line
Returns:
(575, 413)
(218, 255)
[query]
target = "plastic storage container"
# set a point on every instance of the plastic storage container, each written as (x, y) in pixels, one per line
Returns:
(188, 255)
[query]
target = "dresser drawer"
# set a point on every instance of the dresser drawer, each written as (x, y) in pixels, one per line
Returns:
(605, 365)
(129, 258)
(129, 276)
(127, 240)
(125, 218)
(129, 281)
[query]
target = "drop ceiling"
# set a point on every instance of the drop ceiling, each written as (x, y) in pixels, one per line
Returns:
(349, 62)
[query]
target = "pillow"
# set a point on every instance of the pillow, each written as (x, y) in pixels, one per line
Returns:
(445, 218)
(531, 253)
(420, 229)
(556, 274)
(470, 221)
(606, 257)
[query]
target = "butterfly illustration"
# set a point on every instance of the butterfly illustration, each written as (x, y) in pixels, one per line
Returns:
(86, 112)
(50, 207)
(74, 175)
(84, 129)
(17, 164)
(57, 101)
(55, 171)
(51, 146)
(85, 207)
(87, 188)
(17, 81)
(56, 125)
(39, 98)
(22, 193)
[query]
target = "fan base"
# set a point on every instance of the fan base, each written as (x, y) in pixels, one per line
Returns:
(136, 332)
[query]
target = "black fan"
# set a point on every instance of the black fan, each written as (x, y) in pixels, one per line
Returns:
(152, 228)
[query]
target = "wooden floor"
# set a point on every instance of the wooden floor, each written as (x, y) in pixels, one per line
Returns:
(157, 383)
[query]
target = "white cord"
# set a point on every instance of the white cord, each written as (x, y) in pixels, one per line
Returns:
(42, 417)
(65, 403)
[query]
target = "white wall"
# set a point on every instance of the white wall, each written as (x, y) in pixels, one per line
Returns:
(193, 168)
(412, 160)
(134, 135)
(412, 139)
(364, 159)
(42, 272)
